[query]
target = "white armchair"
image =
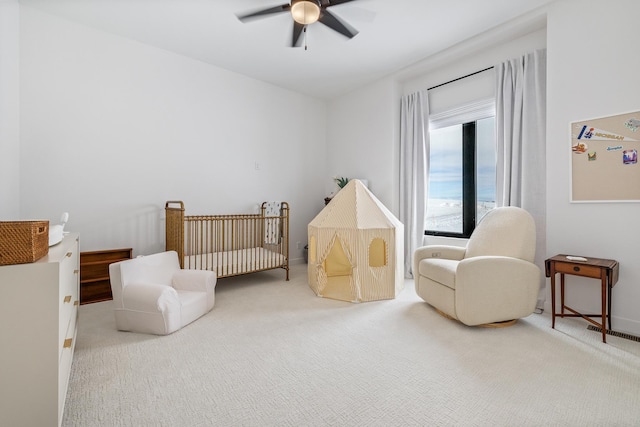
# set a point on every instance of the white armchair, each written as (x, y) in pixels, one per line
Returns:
(492, 280)
(151, 294)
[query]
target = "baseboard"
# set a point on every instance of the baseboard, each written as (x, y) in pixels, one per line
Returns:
(615, 333)
(620, 324)
(624, 325)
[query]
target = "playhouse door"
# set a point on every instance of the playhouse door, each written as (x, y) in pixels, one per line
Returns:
(339, 272)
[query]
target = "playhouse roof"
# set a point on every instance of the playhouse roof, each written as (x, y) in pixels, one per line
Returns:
(355, 207)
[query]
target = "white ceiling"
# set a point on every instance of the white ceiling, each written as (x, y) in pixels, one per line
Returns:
(393, 34)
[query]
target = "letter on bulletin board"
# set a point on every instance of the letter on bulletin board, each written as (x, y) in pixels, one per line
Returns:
(604, 159)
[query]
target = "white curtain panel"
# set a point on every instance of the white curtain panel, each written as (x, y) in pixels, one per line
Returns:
(414, 166)
(521, 141)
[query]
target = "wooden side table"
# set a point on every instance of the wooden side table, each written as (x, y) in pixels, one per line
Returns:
(94, 273)
(597, 268)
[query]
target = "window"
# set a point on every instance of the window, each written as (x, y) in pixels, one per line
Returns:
(462, 172)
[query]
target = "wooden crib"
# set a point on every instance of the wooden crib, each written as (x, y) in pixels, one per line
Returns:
(230, 245)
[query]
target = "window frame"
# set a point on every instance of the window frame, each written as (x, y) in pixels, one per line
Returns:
(469, 193)
(467, 116)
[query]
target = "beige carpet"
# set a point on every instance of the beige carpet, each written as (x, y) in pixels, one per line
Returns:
(271, 353)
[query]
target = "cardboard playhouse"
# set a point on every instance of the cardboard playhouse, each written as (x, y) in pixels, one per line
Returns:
(356, 248)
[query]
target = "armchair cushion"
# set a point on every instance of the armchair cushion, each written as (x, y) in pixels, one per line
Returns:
(196, 281)
(192, 306)
(440, 270)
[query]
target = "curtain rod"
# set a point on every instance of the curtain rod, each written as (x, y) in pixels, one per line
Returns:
(460, 78)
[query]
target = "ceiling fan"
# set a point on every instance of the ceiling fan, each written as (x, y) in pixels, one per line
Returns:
(306, 12)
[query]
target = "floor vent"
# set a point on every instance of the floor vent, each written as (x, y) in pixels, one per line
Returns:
(615, 334)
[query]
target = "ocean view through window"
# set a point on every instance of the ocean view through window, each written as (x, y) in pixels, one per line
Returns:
(462, 177)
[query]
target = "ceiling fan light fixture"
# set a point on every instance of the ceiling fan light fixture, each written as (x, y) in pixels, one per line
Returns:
(305, 12)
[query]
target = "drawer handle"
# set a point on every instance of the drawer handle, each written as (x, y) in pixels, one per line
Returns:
(576, 268)
(69, 254)
(67, 298)
(67, 343)
(76, 271)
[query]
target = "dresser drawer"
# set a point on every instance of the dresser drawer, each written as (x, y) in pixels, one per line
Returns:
(64, 366)
(69, 271)
(67, 301)
(578, 270)
(69, 276)
(67, 338)
(68, 298)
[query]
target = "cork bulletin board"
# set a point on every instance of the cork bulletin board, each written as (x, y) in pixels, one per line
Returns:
(604, 159)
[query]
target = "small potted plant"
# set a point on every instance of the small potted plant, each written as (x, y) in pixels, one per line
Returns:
(341, 182)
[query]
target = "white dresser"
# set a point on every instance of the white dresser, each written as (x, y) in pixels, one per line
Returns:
(38, 319)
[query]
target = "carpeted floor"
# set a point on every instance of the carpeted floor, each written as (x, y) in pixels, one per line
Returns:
(271, 353)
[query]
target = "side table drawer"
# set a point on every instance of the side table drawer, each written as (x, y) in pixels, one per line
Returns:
(578, 270)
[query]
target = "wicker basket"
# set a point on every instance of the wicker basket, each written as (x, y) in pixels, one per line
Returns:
(23, 241)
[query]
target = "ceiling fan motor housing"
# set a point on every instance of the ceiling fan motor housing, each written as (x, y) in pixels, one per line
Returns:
(305, 12)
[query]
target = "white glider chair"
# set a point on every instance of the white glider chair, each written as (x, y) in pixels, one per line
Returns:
(491, 282)
(152, 295)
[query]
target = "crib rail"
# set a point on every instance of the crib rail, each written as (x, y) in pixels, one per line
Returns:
(230, 245)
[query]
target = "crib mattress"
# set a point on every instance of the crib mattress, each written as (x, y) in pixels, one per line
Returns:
(235, 262)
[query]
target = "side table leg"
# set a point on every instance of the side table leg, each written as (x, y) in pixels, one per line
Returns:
(604, 306)
(562, 295)
(553, 297)
(609, 303)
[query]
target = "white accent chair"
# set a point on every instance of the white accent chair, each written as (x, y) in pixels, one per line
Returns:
(152, 295)
(492, 281)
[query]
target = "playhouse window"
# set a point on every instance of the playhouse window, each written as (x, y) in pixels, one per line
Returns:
(377, 253)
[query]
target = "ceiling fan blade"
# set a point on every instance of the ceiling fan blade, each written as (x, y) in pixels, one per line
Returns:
(328, 3)
(264, 12)
(297, 32)
(332, 21)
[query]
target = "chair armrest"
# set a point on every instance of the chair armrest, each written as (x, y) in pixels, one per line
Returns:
(440, 251)
(149, 298)
(437, 251)
(490, 286)
(194, 280)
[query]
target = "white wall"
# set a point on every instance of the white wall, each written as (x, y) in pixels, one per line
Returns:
(112, 128)
(9, 111)
(360, 139)
(592, 73)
